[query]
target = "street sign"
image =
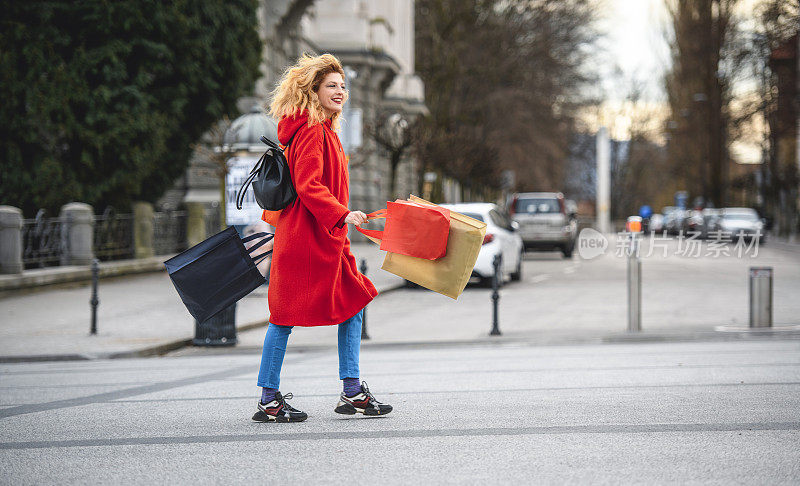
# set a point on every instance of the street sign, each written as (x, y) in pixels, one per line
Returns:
(680, 199)
(238, 170)
(508, 179)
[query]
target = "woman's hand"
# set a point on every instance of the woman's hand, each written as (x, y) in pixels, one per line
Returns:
(355, 217)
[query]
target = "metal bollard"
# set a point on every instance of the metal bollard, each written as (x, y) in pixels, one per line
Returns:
(498, 259)
(95, 301)
(364, 334)
(760, 296)
(634, 286)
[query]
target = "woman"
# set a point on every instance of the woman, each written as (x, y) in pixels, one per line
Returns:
(314, 279)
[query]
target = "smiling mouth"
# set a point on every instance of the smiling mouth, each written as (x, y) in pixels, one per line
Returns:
(338, 101)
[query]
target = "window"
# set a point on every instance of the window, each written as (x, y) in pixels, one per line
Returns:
(474, 216)
(537, 206)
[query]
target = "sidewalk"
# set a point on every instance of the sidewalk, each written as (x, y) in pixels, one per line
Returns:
(138, 315)
(558, 301)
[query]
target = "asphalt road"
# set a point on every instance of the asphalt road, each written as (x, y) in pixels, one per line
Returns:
(652, 413)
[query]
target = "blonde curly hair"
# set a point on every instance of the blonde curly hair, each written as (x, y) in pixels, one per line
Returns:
(297, 89)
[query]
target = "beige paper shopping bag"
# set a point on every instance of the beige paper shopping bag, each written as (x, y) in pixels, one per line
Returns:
(447, 275)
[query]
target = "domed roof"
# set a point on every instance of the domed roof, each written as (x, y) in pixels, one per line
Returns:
(247, 130)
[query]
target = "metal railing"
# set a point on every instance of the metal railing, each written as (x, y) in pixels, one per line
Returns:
(169, 232)
(42, 244)
(44, 241)
(113, 235)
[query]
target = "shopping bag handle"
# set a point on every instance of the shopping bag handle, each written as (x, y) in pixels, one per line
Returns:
(379, 214)
(260, 258)
(267, 238)
(257, 235)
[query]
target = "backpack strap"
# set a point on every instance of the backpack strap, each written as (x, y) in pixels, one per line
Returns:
(277, 146)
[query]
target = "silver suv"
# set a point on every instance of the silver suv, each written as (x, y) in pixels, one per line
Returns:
(544, 221)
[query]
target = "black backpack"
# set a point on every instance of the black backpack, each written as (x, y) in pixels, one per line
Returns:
(272, 184)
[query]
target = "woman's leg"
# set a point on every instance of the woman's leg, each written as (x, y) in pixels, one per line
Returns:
(349, 351)
(269, 376)
(273, 406)
(356, 397)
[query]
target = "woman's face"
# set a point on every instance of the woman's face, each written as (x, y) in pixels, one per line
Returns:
(332, 94)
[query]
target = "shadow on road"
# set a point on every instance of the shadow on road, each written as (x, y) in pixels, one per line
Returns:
(549, 256)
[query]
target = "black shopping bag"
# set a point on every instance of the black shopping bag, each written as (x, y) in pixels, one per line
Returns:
(217, 272)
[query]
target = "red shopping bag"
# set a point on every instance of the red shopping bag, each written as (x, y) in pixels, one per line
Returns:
(412, 229)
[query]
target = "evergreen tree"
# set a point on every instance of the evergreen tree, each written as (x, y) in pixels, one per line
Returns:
(101, 99)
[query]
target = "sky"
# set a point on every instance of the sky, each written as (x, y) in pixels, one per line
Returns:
(635, 43)
(634, 51)
(635, 48)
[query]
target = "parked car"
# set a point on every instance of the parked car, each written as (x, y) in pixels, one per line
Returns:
(744, 221)
(710, 218)
(544, 222)
(502, 237)
(693, 223)
(656, 223)
(673, 219)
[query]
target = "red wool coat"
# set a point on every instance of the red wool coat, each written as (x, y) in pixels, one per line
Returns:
(314, 280)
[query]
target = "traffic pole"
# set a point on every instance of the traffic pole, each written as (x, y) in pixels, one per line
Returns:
(95, 301)
(496, 295)
(634, 228)
(364, 334)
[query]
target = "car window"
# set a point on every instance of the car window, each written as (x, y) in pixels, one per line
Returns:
(474, 216)
(742, 214)
(537, 205)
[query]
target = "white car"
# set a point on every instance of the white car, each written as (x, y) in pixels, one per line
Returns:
(501, 237)
(740, 222)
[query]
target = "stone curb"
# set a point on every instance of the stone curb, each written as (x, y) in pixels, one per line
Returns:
(46, 277)
(615, 338)
(612, 338)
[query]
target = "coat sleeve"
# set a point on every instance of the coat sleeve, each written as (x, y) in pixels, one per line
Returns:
(271, 217)
(307, 177)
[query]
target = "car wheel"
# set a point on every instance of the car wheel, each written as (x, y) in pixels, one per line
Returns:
(567, 251)
(516, 276)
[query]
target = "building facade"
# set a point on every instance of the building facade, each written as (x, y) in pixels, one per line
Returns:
(375, 42)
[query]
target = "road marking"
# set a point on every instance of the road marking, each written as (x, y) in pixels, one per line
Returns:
(124, 393)
(413, 433)
(473, 391)
(129, 392)
(540, 278)
(569, 270)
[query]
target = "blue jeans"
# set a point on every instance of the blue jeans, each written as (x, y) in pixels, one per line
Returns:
(269, 375)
